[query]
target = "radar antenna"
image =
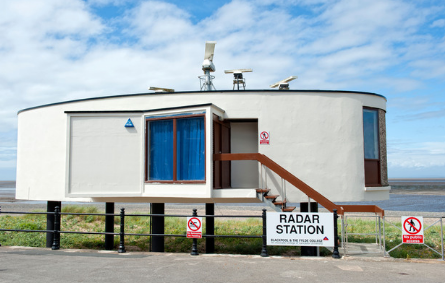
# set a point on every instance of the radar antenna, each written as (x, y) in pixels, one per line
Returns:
(207, 66)
(284, 84)
(161, 89)
(238, 77)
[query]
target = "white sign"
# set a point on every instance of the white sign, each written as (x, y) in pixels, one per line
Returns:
(194, 227)
(412, 229)
(300, 229)
(264, 137)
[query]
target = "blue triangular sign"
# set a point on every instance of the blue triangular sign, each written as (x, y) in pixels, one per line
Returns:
(129, 123)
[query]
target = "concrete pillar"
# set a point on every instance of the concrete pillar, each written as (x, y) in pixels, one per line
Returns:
(304, 207)
(210, 228)
(50, 207)
(109, 225)
(157, 227)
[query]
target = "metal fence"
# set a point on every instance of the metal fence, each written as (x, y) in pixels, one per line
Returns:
(347, 229)
(56, 232)
(380, 233)
(438, 221)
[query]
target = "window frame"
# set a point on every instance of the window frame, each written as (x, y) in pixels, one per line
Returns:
(369, 161)
(174, 118)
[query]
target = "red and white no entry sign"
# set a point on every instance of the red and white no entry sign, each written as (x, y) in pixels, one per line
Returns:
(264, 137)
(412, 229)
(194, 227)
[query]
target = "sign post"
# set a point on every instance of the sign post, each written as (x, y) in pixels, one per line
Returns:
(412, 230)
(194, 230)
(300, 229)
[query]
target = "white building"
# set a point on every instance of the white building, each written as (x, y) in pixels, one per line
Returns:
(86, 150)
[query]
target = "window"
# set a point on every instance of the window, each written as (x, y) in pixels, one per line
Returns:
(176, 148)
(371, 133)
(371, 146)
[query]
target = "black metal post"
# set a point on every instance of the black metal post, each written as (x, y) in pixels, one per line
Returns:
(264, 248)
(157, 227)
(50, 207)
(335, 254)
(56, 233)
(109, 225)
(122, 232)
(195, 241)
(210, 228)
(304, 207)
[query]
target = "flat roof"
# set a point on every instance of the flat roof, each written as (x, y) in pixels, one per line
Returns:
(220, 91)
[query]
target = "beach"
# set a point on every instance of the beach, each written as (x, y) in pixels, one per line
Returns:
(422, 197)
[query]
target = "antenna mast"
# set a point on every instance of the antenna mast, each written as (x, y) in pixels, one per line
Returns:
(238, 78)
(206, 81)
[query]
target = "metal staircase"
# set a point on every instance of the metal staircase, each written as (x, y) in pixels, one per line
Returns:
(271, 200)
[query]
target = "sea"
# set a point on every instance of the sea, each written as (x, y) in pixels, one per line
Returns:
(426, 195)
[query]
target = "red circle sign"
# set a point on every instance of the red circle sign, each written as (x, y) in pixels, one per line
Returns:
(412, 225)
(194, 224)
(264, 135)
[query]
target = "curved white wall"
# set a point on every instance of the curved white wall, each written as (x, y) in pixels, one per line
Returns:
(317, 136)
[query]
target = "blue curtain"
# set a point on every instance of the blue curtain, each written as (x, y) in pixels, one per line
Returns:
(161, 150)
(190, 148)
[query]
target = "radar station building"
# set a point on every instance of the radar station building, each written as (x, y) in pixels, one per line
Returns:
(205, 147)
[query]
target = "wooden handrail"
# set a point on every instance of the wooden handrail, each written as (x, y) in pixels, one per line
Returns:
(296, 182)
(363, 208)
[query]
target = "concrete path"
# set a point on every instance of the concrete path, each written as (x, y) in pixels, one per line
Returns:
(20, 264)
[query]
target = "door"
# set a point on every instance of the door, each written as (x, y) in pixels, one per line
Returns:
(221, 144)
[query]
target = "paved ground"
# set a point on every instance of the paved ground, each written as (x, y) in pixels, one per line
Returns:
(18, 264)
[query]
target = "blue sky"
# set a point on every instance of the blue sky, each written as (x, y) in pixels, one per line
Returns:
(52, 50)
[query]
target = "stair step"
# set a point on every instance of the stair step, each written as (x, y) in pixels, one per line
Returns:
(262, 191)
(281, 202)
(289, 209)
(271, 197)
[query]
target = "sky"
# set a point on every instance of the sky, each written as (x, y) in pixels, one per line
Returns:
(59, 50)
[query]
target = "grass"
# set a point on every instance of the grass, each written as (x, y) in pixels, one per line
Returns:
(176, 226)
(432, 238)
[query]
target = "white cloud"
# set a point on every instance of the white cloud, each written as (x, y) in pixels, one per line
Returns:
(438, 23)
(158, 23)
(53, 50)
(417, 155)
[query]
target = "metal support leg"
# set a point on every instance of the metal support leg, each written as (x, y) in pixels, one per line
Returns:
(210, 228)
(157, 224)
(109, 225)
(308, 207)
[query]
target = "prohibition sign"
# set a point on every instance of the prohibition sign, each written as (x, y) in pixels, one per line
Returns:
(194, 224)
(264, 135)
(412, 223)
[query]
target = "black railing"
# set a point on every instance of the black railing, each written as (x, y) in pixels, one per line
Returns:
(121, 249)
